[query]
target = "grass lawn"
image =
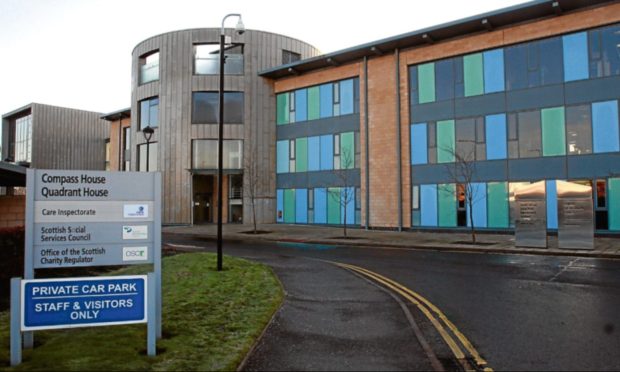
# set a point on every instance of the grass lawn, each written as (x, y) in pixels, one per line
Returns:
(210, 321)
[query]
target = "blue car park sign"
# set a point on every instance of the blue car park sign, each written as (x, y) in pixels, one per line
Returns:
(83, 302)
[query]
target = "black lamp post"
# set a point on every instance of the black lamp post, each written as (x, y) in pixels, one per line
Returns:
(240, 29)
(147, 132)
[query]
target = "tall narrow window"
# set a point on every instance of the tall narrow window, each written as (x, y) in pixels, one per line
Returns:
(579, 130)
(529, 134)
(149, 113)
(22, 145)
(149, 156)
(149, 67)
(336, 151)
(126, 153)
(336, 99)
(291, 155)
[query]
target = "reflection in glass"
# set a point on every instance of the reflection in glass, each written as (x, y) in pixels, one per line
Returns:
(207, 59)
(579, 130)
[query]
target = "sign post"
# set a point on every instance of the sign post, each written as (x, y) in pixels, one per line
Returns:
(78, 218)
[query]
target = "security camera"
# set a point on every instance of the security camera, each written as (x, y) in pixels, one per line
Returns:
(240, 28)
(240, 32)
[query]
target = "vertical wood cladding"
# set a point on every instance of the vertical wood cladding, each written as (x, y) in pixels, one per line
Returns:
(175, 133)
(65, 138)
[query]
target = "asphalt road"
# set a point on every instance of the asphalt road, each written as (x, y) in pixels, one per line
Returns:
(520, 312)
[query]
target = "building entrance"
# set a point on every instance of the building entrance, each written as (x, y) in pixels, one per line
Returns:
(203, 188)
(205, 198)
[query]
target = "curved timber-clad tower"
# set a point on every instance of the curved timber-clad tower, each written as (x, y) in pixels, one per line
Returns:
(175, 86)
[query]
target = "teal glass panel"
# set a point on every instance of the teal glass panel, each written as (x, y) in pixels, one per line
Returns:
(553, 131)
(614, 203)
(473, 75)
(282, 108)
(301, 155)
(289, 206)
(333, 205)
(497, 201)
(282, 156)
(313, 103)
(446, 197)
(426, 82)
(347, 150)
(445, 141)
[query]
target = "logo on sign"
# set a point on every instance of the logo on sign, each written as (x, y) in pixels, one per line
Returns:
(135, 232)
(135, 253)
(135, 211)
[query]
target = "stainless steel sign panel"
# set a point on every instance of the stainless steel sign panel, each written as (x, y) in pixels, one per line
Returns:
(95, 211)
(531, 218)
(576, 223)
(86, 233)
(46, 256)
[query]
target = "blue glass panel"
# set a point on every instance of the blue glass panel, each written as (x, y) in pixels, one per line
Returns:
(280, 205)
(326, 100)
(493, 71)
(516, 67)
(314, 154)
(350, 206)
(479, 201)
(444, 80)
(320, 205)
(327, 152)
(575, 56)
(605, 126)
(347, 104)
(550, 64)
(282, 156)
(301, 105)
(428, 205)
(301, 206)
(496, 136)
(419, 144)
(552, 205)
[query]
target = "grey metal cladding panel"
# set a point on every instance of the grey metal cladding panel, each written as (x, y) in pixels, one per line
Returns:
(551, 168)
(593, 166)
(535, 98)
(592, 90)
(486, 171)
(443, 110)
(334, 125)
(307, 180)
(480, 105)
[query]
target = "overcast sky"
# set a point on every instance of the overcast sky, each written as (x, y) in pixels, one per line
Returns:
(77, 53)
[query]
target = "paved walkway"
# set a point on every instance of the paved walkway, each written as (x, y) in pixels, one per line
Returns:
(491, 243)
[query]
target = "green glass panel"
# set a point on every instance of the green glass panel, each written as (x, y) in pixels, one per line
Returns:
(314, 111)
(446, 198)
(426, 82)
(445, 141)
(289, 206)
(553, 131)
(301, 155)
(282, 109)
(614, 203)
(473, 75)
(333, 206)
(347, 150)
(497, 204)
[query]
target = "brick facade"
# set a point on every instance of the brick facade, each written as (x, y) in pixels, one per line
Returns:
(12, 210)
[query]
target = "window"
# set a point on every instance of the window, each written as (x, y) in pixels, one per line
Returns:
(336, 151)
(600, 205)
(444, 77)
(22, 139)
(149, 67)
(336, 96)
(578, 130)
(149, 113)
(358, 205)
(204, 154)
(151, 157)
(310, 205)
(289, 57)
(493, 71)
(426, 83)
(553, 131)
(575, 48)
(432, 143)
(461, 210)
(207, 59)
(604, 51)
(534, 64)
(126, 153)
(495, 126)
(301, 154)
(529, 134)
(605, 126)
(205, 108)
(473, 74)
(282, 156)
(445, 141)
(291, 155)
(107, 154)
(513, 136)
(358, 155)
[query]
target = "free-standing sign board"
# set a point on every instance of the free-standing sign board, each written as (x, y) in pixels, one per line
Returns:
(576, 223)
(531, 218)
(80, 218)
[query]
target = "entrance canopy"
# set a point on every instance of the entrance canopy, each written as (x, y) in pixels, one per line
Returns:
(12, 175)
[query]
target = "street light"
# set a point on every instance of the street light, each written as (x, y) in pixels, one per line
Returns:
(147, 132)
(240, 29)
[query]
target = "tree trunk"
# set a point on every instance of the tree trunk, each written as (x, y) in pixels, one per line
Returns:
(254, 215)
(471, 220)
(345, 219)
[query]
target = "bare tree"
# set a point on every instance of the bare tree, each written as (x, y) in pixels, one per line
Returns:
(252, 186)
(347, 193)
(462, 172)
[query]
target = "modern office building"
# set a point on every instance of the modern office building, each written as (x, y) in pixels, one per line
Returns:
(175, 83)
(523, 94)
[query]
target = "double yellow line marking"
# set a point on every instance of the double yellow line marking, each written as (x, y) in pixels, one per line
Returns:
(427, 308)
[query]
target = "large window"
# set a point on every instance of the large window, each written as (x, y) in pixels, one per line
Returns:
(207, 59)
(579, 130)
(604, 51)
(204, 154)
(289, 57)
(23, 139)
(149, 113)
(205, 108)
(149, 67)
(534, 64)
(529, 134)
(151, 157)
(470, 139)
